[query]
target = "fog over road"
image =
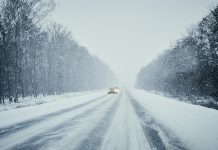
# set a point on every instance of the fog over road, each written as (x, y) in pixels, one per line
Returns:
(94, 121)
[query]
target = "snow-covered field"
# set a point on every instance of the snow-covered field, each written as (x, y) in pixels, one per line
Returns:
(133, 119)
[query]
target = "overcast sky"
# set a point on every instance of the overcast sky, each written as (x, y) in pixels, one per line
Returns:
(127, 34)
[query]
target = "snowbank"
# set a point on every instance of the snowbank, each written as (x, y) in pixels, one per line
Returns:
(30, 101)
(195, 125)
(59, 102)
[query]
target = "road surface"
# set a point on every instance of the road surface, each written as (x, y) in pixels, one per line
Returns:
(104, 122)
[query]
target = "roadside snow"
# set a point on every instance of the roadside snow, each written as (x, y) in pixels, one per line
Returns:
(59, 102)
(30, 101)
(39, 129)
(195, 125)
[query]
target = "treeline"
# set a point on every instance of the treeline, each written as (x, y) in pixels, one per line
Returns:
(190, 67)
(43, 59)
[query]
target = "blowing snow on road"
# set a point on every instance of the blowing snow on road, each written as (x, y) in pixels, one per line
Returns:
(131, 119)
(108, 75)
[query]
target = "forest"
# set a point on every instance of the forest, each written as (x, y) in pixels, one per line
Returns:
(189, 69)
(37, 57)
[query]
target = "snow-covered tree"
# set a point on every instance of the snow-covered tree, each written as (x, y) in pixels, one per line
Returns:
(190, 67)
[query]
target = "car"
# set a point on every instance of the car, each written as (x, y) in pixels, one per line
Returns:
(113, 90)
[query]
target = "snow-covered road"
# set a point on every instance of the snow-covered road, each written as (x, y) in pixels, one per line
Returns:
(133, 119)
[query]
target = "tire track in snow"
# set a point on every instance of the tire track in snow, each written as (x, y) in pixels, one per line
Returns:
(94, 139)
(125, 131)
(6, 131)
(159, 137)
(52, 135)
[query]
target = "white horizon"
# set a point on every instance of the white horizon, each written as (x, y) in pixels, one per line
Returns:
(129, 34)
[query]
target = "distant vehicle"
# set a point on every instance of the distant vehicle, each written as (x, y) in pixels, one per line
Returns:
(113, 90)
